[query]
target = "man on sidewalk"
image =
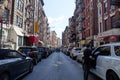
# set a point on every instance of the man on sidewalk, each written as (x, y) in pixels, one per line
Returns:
(87, 61)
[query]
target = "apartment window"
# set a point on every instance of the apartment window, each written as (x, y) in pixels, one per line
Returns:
(106, 25)
(112, 21)
(100, 27)
(16, 19)
(100, 11)
(20, 5)
(19, 40)
(6, 16)
(19, 21)
(105, 6)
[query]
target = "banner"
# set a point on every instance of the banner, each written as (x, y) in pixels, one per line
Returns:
(36, 27)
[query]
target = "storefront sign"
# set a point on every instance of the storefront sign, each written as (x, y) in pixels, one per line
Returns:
(113, 38)
(110, 32)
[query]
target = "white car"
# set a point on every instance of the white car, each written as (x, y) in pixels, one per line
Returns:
(107, 61)
(75, 51)
(80, 55)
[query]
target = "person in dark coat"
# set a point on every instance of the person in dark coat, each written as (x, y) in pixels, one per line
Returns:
(87, 61)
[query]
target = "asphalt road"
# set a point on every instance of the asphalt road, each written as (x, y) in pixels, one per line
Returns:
(58, 66)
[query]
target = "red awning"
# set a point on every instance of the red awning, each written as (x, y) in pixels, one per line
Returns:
(33, 39)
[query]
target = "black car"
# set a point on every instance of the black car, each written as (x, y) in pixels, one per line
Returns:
(14, 64)
(32, 52)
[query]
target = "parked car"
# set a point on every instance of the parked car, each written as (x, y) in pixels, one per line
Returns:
(43, 51)
(80, 55)
(31, 51)
(14, 64)
(69, 50)
(75, 51)
(107, 61)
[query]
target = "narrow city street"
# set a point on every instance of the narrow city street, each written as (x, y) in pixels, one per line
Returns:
(58, 66)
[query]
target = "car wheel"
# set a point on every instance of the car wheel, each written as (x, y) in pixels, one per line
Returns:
(31, 67)
(112, 76)
(4, 77)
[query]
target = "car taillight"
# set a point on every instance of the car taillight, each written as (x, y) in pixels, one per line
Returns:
(31, 53)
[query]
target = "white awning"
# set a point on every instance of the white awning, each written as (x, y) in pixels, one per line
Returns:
(18, 31)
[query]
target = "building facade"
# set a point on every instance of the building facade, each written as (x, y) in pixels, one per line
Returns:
(5, 16)
(25, 24)
(109, 22)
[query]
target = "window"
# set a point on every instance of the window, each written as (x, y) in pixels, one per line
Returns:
(19, 40)
(20, 5)
(100, 27)
(106, 25)
(19, 21)
(112, 21)
(6, 16)
(105, 6)
(103, 51)
(117, 50)
(10, 54)
(14, 54)
(99, 11)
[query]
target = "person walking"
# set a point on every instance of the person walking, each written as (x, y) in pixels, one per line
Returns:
(87, 61)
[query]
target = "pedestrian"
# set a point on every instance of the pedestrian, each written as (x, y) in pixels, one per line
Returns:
(87, 61)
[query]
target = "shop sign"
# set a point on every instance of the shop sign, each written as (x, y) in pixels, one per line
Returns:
(113, 39)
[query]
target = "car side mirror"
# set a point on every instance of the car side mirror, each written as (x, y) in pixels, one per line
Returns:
(28, 58)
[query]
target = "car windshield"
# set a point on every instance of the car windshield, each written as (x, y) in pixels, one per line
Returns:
(3, 53)
(117, 50)
(24, 50)
(41, 49)
(33, 49)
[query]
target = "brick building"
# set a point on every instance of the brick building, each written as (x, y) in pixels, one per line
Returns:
(108, 22)
(5, 16)
(89, 22)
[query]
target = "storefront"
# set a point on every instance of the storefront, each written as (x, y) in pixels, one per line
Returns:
(16, 36)
(34, 40)
(110, 39)
(109, 36)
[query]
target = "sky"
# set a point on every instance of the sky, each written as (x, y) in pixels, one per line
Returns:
(58, 12)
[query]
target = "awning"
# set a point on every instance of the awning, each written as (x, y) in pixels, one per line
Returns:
(110, 38)
(18, 31)
(41, 42)
(33, 39)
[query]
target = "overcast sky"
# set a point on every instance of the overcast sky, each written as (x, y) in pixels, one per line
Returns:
(58, 12)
